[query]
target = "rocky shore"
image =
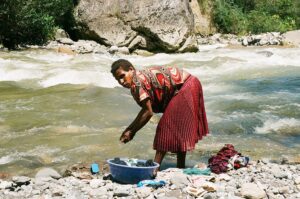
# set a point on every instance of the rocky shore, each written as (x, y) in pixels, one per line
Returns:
(260, 179)
(64, 44)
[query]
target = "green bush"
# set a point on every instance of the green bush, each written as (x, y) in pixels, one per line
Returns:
(256, 16)
(229, 18)
(264, 22)
(31, 21)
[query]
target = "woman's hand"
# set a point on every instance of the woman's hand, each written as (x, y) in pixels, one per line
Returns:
(126, 136)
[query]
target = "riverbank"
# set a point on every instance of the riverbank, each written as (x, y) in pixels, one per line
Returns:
(63, 44)
(260, 179)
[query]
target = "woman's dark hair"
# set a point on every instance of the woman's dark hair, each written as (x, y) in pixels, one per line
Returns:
(120, 63)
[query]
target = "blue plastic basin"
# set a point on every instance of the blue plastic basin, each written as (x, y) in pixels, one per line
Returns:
(131, 175)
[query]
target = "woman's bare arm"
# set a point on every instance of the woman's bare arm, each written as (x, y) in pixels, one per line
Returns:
(141, 119)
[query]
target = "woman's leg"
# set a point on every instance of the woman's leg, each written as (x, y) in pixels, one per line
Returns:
(159, 156)
(181, 159)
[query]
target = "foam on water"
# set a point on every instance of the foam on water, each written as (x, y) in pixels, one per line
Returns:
(53, 68)
(6, 159)
(42, 152)
(70, 76)
(282, 125)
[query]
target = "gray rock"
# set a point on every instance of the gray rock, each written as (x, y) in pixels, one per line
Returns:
(251, 190)
(142, 53)
(121, 191)
(245, 42)
(179, 180)
(284, 190)
(190, 45)
(210, 196)
(5, 184)
(266, 53)
(143, 192)
(137, 42)
(123, 50)
(47, 172)
(297, 180)
(278, 173)
(95, 183)
(61, 33)
(165, 24)
(264, 41)
(99, 192)
(113, 49)
(21, 180)
(66, 41)
(292, 37)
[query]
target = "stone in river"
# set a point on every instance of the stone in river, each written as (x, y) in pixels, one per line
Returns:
(47, 172)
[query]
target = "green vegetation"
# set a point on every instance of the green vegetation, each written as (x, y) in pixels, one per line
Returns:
(32, 21)
(256, 16)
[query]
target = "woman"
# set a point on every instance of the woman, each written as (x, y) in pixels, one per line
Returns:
(173, 92)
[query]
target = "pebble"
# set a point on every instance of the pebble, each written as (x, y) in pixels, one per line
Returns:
(251, 190)
(262, 179)
(297, 180)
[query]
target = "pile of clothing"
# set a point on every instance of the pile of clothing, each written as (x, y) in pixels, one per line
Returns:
(226, 159)
(132, 162)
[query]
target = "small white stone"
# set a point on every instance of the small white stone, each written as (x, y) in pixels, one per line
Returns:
(251, 190)
(297, 180)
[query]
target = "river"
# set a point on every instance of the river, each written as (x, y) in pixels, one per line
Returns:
(57, 109)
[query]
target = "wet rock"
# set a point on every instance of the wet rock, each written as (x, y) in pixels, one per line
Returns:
(190, 45)
(251, 190)
(21, 180)
(66, 50)
(266, 53)
(66, 41)
(5, 184)
(47, 172)
(142, 53)
(245, 42)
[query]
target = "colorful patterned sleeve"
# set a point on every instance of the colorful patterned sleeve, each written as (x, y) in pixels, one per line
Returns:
(139, 94)
(143, 94)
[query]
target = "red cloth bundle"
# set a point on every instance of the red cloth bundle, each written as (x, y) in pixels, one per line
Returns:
(218, 163)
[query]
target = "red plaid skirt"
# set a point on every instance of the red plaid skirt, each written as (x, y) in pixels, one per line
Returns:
(184, 120)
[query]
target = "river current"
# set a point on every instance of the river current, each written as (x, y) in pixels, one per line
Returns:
(57, 109)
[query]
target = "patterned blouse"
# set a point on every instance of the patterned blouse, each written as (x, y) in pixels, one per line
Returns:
(159, 84)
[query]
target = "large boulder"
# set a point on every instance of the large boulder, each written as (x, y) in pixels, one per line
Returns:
(202, 17)
(292, 37)
(160, 25)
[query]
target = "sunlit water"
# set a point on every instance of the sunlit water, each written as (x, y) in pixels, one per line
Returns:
(57, 109)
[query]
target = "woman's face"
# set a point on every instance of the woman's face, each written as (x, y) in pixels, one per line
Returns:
(124, 77)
